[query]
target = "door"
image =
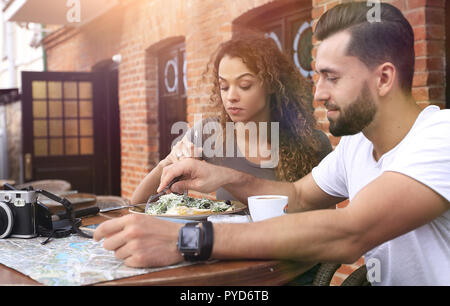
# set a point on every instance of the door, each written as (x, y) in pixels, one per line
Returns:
(447, 54)
(108, 89)
(290, 27)
(172, 94)
(63, 130)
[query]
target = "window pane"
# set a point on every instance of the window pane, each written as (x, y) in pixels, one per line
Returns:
(56, 127)
(70, 90)
(54, 90)
(71, 146)
(55, 109)
(302, 46)
(39, 109)
(86, 146)
(40, 147)
(70, 109)
(86, 127)
(86, 109)
(56, 146)
(39, 89)
(40, 128)
(85, 90)
(71, 127)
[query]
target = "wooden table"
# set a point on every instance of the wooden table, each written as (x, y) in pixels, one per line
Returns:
(235, 272)
(2, 182)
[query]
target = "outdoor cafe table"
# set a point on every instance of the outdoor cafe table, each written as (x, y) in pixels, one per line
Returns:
(227, 273)
(2, 182)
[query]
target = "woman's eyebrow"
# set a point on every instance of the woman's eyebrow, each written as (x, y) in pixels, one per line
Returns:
(240, 76)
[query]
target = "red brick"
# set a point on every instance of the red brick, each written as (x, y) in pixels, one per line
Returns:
(334, 140)
(343, 204)
(412, 4)
(317, 12)
(416, 17)
(400, 4)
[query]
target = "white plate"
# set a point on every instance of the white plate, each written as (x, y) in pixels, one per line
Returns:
(237, 207)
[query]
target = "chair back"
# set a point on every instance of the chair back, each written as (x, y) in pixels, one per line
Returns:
(55, 186)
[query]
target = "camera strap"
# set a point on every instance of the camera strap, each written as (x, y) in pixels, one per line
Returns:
(65, 226)
(61, 228)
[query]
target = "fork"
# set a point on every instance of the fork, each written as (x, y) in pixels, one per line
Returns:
(154, 197)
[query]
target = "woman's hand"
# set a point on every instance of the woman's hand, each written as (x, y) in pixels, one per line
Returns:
(181, 150)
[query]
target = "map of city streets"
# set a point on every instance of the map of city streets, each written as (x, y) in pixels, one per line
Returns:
(67, 261)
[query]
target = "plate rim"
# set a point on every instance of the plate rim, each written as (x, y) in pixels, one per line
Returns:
(195, 217)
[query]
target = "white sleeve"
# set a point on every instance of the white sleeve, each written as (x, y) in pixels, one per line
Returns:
(426, 157)
(330, 174)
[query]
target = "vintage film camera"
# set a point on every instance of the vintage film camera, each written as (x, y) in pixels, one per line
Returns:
(21, 215)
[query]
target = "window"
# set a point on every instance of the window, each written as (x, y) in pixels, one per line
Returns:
(290, 26)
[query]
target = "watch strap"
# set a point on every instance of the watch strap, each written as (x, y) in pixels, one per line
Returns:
(208, 240)
(206, 245)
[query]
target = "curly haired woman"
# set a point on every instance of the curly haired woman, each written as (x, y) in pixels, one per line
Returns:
(253, 82)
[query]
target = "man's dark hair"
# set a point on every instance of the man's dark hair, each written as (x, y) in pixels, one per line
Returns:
(389, 39)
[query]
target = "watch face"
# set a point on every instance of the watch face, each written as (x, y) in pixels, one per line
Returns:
(189, 239)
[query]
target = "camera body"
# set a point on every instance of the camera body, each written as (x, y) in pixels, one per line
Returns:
(19, 215)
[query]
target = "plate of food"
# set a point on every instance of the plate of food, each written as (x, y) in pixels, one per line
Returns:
(185, 207)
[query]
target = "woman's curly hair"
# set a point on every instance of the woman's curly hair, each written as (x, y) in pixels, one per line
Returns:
(290, 100)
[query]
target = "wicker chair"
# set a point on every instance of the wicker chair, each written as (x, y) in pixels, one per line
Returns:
(55, 186)
(327, 270)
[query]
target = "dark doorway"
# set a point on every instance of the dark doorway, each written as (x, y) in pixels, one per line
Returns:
(172, 94)
(65, 134)
(108, 74)
(447, 54)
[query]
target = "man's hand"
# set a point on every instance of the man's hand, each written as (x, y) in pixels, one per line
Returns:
(197, 175)
(140, 240)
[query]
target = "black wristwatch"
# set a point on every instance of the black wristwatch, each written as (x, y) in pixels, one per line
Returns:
(195, 242)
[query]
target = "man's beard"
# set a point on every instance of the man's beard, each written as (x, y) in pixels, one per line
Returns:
(356, 116)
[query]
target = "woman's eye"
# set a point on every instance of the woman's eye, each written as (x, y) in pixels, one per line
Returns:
(223, 88)
(246, 87)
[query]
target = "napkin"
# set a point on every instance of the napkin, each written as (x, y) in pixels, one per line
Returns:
(229, 219)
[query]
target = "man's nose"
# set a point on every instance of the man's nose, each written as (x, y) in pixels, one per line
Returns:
(321, 93)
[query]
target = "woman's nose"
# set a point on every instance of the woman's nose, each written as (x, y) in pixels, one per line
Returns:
(232, 94)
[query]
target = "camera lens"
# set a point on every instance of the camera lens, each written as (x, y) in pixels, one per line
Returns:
(6, 220)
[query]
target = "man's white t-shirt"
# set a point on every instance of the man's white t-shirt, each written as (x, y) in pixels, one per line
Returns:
(422, 256)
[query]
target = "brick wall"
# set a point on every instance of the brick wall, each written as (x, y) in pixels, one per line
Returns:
(135, 29)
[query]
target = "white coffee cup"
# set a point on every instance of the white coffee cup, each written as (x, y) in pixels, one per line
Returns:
(263, 207)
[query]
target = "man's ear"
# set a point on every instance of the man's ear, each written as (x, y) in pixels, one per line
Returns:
(386, 78)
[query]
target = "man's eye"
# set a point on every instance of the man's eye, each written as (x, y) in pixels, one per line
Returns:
(332, 79)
